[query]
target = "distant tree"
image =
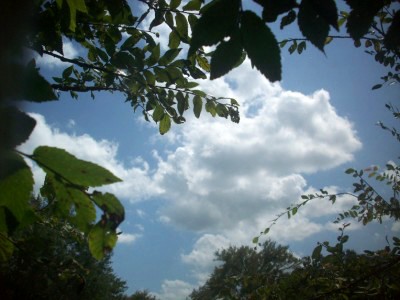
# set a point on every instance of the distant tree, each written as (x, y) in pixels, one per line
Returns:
(52, 261)
(141, 295)
(245, 272)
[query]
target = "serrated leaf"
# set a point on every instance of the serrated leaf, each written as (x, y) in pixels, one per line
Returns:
(312, 25)
(261, 46)
(165, 124)
(101, 240)
(169, 56)
(197, 105)
(226, 56)
(218, 20)
(76, 171)
(328, 11)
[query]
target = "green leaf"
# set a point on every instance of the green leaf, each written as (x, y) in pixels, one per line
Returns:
(18, 127)
(211, 108)
(165, 124)
(76, 171)
(158, 113)
(16, 184)
(203, 63)
(192, 5)
(219, 18)
(174, 4)
(226, 57)
(294, 211)
(255, 240)
(350, 171)
(182, 103)
(75, 5)
(150, 77)
(169, 19)
(154, 57)
(169, 56)
(311, 24)
(261, 46)
(174, 40)
(181, 25)
(110, 205)
(197, 105)
(101, 240)
(158, 19)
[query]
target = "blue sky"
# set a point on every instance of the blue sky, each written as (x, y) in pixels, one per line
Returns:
(210, 183)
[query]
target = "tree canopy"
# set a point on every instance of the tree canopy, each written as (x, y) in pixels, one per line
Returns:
(120, 55)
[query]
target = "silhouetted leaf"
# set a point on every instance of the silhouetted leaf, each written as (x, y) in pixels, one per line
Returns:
(261, 46)
(361, 16)
(218, 20)
(272, 8)
(226, 56)
(312, 25)
(197, 105)
(392, 37)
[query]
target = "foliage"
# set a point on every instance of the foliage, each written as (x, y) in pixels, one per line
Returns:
(140, 295)
(52, 261)
(244, 272)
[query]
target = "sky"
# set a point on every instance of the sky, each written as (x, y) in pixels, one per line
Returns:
(210, 183)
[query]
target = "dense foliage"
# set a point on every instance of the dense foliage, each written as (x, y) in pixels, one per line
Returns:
(245, 272)
(53, 261)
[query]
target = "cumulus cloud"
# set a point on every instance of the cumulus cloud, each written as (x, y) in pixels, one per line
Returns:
(137, 184)
(128, 238)
(175, 290)
(224, 176)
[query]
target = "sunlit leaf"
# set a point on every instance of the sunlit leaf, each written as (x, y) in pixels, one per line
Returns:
(74, 170)
(165, 124)
(101, 240)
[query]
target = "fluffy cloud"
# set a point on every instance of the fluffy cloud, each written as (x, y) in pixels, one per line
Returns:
(224, 176)
(137, 183)
(175, 290)
(128, 238)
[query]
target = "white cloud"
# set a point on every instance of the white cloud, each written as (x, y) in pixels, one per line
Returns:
(175, 290)
(70, 51)
(137, 183)
(128, 238)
